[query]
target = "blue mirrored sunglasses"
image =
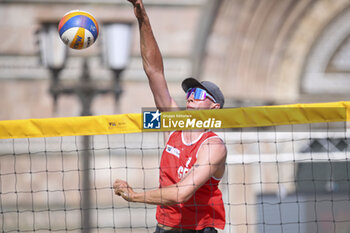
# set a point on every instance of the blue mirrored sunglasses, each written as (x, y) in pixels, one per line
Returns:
(199, 94)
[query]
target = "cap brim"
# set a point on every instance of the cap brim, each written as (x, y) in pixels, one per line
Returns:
(191, 83)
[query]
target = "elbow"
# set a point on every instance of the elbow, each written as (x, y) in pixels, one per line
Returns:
(184, 198)
(150, 68)
(177, 195)
(153, 74)
(180, 198)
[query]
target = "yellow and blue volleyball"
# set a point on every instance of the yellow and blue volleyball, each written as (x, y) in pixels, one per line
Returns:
(78, 29)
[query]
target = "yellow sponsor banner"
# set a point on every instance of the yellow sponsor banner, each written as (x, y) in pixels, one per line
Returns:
(180, 120)
(71, 126)
(252, 117)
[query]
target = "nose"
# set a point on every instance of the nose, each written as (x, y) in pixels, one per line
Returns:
(190, 101)
(191, 98)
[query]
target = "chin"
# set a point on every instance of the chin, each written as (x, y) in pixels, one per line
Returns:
(195, 108)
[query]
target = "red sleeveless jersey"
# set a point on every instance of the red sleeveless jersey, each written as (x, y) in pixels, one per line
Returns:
(205, 208)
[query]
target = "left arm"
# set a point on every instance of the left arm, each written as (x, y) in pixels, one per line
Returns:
(210, 162)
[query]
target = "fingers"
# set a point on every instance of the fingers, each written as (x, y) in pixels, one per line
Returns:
(121, 188)
(118, 192)
(119, 183)
(134, 2)
(118, 189)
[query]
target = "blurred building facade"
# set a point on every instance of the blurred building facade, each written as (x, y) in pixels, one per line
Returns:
(280, 51)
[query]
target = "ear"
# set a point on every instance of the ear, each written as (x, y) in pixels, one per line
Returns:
(215, 106)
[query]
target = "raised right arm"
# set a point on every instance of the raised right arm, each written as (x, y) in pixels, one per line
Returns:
(152, 60)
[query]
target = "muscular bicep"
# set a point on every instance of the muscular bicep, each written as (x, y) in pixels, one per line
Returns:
(210, 162)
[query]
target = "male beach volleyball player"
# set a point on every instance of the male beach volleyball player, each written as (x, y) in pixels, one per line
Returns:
(192, 163)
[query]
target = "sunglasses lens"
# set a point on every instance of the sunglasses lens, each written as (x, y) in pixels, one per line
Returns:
(200, 94)
(189, 92)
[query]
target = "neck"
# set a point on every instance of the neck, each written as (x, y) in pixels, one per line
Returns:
(191, 135)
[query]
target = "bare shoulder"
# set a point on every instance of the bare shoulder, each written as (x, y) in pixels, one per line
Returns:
(213, 145)
(215, 142)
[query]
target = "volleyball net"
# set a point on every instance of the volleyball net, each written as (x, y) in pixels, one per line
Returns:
(287, 169)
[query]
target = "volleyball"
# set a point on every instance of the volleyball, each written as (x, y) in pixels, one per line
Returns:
(78, 29)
